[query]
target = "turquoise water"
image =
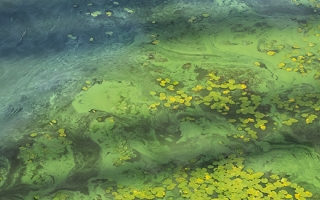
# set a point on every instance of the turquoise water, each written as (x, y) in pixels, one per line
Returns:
(159, 100)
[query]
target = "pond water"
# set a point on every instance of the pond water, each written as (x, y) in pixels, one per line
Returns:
(212, 99)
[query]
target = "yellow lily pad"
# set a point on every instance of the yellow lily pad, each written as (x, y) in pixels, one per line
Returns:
(33, 134)
(311, 118)
(170, 87)
(175, 83)
(257, 64)
(271, 53)
(167, 181)
(167, 105)
(282, 64)
(162, 98)
(179, 92)
(152, 93)
(95, 13)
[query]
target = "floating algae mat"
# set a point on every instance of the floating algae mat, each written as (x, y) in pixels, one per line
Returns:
(175, 100)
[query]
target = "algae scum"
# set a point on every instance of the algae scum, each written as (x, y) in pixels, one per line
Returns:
(212, 100)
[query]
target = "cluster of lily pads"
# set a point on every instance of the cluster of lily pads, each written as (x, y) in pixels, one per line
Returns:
(216, 100)
(232, 98)
(299, 60)
(225, 97)
(30, 153)
(40, 149)
(226, 178)
(217, 94)
(173, 98)
(310, 103)
(302, 58)
(125, 153)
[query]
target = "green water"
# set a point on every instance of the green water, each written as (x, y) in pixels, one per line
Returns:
(173, 100)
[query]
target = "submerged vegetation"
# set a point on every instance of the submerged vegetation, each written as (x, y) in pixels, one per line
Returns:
(207, 113)
(223, 179)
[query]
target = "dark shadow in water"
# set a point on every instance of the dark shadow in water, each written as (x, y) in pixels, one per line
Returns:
(88, 165)
(35, 28)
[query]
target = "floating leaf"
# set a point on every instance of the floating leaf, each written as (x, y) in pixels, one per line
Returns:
(189, 98)
(162, 83)
(171, 186)
(33, 134)
(167, 105)
(231, 81)
(167, 181)
(171, 99)
(271, 53)
(311, 118)
(179, 91)
(184, 95)
(175, 83)
(162, 97)
(290, 121)
(170, 87)
(257, 64)
(282, 64)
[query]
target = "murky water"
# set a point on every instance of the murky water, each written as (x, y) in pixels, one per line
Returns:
(159, 100)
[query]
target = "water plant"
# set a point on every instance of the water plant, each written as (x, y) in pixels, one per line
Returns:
(225, 178)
